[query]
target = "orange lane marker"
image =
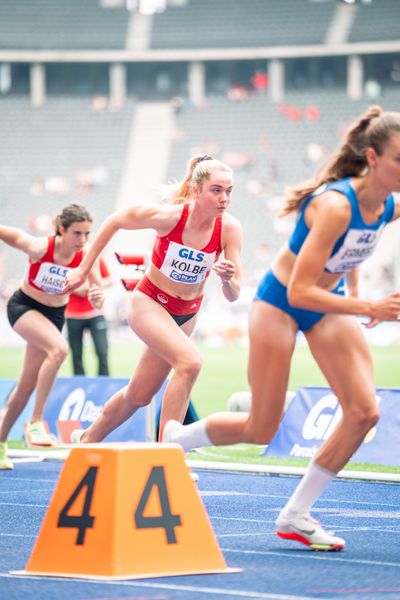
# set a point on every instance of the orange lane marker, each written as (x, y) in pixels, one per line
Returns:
(126, 511)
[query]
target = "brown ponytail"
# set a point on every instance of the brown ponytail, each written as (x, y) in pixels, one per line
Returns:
(372, 130)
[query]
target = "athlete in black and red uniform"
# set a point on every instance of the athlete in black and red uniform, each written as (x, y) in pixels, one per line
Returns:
(192, 232)
(36, 313)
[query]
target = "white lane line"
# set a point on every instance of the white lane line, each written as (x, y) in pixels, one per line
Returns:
(315, 556)
(30, 479)
(17, 535)
(16, 492)
(336, 501)
(172, 587)
(24, 505)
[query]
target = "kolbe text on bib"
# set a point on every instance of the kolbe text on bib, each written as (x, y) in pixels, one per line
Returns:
(185, 264)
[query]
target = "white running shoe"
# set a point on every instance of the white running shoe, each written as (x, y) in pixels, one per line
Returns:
(169, 429)
(76, 436)
(308, 531)
(37, 436)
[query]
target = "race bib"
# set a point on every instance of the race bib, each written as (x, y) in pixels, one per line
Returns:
(185, 264)
(51, 278)
(357, 246)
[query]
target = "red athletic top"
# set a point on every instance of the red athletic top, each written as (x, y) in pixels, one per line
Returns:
(79, 307)
(183, 263)
(46, 275)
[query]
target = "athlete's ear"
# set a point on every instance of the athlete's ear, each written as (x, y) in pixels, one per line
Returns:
(195, 191)
(371, 157)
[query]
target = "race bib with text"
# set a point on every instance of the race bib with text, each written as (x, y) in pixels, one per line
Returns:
(185, 264)
(51, 278)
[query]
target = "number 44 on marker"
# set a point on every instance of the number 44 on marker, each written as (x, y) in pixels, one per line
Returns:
(126, 511)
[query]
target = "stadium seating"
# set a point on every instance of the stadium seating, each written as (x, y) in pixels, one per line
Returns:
(270, 146)
(60, 153)
(61, 25)
(213, 24)
(376, 22)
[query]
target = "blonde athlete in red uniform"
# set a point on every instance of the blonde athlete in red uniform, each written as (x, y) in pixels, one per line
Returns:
(341, 214)
(36, 313)
(191, 234)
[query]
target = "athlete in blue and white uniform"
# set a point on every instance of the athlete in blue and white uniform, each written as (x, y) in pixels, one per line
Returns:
(354, 246)
(341, 214)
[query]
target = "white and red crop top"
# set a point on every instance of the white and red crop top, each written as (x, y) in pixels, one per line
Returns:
(48, 276)
(182, 263)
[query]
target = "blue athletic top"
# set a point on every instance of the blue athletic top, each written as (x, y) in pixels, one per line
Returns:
(359, 239)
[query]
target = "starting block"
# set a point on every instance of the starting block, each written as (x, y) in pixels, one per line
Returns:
(125, 511)
(130, 259)
(129, 284)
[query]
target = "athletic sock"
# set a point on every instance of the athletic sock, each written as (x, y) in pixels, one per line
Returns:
(190, 436)
(309, 489)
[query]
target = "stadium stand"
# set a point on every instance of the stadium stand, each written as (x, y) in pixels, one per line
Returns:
(210, 24)
(376, 21)
(270, 146)
(62, 152)
(61, 25)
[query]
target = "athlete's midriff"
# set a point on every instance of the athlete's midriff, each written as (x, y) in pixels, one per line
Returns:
(54, 300)
(283, 265)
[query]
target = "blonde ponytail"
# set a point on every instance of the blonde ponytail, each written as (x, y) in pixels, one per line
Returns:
(199, 170)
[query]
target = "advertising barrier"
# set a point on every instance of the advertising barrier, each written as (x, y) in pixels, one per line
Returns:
(314, 413)
(82, 399)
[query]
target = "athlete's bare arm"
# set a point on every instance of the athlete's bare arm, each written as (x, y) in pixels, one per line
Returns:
(34, 247)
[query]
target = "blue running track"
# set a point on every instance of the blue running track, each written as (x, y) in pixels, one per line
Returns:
(242, 508)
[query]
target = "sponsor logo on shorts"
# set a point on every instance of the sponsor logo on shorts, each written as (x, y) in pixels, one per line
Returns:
(163, 299)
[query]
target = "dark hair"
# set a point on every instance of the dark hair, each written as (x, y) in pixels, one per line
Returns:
(373, 130)
(199, 169)
(73, 213)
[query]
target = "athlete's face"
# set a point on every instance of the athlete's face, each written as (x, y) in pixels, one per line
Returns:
(76, 235)
(387, 165)
(216, 192)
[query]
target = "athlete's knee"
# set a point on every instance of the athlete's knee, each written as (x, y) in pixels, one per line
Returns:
(255, 432)
(136, 395)
(363, 417)
(189, 367)
(59, 352)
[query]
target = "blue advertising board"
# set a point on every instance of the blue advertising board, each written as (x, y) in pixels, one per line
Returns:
(313, 414)
(83, 398)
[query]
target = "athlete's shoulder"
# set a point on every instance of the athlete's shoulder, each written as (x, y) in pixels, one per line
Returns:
(38, 247)
(229, 221)
(332, 200)
(232, 231)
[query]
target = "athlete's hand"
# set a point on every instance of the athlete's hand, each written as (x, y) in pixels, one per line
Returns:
(387, 309)
(95, 296)
(73, 280)
(225, 269)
